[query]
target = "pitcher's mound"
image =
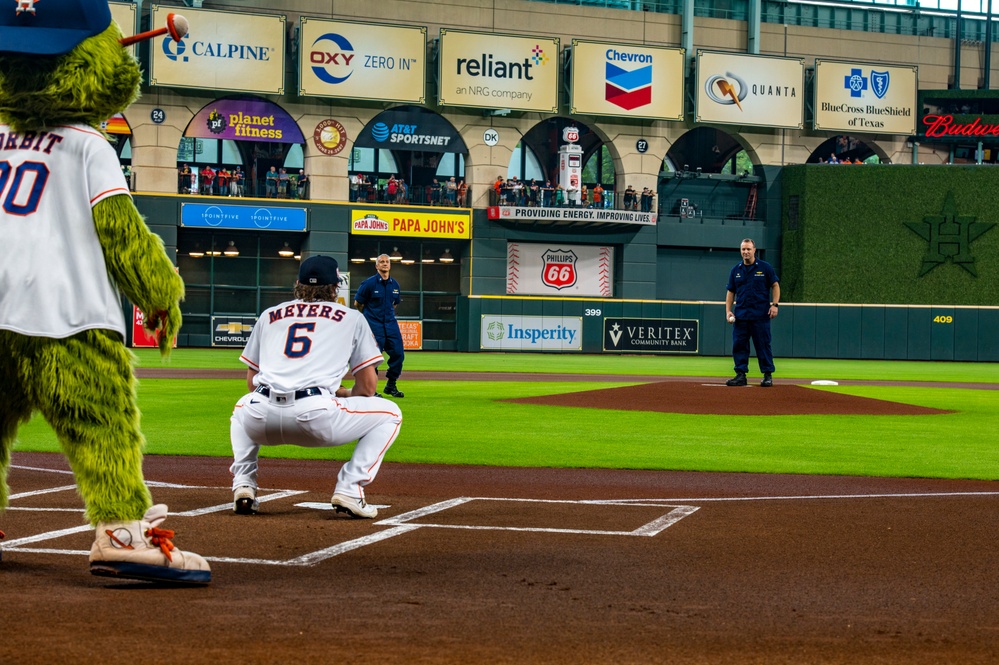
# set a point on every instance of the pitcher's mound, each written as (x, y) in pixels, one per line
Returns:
(699, 396)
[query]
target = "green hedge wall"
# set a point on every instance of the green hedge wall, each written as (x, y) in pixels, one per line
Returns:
(846, 235)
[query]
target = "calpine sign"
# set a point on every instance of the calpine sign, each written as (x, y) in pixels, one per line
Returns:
(651, 335)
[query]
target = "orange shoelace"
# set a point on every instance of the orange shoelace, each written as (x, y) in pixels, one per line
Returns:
(161, 538)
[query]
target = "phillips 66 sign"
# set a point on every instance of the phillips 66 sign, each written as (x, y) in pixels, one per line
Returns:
(559, 270)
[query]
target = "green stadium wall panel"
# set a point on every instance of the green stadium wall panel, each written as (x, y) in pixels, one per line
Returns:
(801, 321)
(872, 329)
(988, 335)
(896, 333)
(850, 332)
(966, 334)
(827, 331)
(942, 333)
(919, 334)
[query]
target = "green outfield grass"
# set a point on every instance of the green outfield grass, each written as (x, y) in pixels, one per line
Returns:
(466, 422)
(537, 363)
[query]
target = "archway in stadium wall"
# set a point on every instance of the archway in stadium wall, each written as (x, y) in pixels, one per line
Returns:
(536, 155)
(246, 131)
(844, 147)
(429, 148)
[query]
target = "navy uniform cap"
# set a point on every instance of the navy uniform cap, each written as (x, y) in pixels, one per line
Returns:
(50, 27)
(318, 271)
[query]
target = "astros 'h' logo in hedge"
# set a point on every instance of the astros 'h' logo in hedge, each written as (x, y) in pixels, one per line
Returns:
(949, 236)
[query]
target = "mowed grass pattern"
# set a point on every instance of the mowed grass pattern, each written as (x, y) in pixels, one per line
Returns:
(466, 422)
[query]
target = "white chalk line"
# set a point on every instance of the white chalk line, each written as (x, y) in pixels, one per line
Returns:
(403, 523)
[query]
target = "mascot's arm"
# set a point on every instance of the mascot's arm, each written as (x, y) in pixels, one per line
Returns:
(140, 267)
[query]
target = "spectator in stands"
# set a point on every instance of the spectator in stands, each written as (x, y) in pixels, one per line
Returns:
(207, 178)
(283, 182)
(629, 198)
(223, 179)
(303, 184)
(271, 181)
(391, 189)
(547, 194)
(598, 196)
(237, 182)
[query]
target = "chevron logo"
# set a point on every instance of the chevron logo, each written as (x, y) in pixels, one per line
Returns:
(628, 89)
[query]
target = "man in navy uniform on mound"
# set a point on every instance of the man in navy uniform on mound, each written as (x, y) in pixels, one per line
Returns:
(754, 291)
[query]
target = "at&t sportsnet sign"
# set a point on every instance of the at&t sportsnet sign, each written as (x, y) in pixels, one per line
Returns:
(651, 335)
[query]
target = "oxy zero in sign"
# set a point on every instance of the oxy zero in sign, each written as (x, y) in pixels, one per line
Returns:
(558, 268)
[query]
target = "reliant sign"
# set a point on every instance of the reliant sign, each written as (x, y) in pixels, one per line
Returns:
(750, 90)
(223, 51)
(627, 80)
(531, 333)
(854, 97)
(483, 70)
(572, 215)
(651, 335)
(362, 61)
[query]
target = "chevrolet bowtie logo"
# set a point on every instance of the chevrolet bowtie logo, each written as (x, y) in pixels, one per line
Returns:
(233, 327)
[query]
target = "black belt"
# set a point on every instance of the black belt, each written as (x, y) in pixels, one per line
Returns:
(299, 394)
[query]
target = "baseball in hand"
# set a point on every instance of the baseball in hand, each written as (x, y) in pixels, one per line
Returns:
(731, 318)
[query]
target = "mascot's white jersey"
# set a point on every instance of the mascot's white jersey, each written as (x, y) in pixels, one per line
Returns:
(53, 278)
(301, 344)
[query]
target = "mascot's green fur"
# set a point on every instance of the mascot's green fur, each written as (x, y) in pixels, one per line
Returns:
(83, 385)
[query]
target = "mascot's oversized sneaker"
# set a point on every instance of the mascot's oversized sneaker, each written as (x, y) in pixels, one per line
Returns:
(141, 550)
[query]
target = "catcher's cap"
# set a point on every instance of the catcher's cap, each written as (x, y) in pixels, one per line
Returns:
(318, 271)
(50, 27)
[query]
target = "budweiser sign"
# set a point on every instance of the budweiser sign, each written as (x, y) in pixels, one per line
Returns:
(943, 126)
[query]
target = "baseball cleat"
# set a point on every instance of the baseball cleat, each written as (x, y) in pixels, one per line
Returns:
(738, 380)
(393, 390)
(244, 501)
(768, 381)
(140, 550)
(355, 508)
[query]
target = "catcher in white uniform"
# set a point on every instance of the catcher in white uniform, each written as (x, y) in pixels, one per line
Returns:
(297, 355)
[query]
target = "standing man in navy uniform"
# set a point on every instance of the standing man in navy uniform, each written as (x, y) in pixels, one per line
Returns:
(754, 290)
(376, 298)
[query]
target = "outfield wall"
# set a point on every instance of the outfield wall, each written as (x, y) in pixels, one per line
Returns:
(870, 332)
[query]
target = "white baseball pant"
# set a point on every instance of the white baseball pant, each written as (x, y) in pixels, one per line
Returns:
(319, 421)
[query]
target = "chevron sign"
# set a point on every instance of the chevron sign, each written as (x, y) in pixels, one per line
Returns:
(628, 89)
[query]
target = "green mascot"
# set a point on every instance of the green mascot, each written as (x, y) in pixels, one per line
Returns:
(70, 239)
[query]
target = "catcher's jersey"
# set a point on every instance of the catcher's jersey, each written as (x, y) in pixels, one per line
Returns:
(53, 278)
(300, 344)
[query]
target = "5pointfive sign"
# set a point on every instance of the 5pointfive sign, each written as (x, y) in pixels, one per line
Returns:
(949, 236)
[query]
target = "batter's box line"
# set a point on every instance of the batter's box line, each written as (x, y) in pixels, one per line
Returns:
(652, 528)
(404, 524)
